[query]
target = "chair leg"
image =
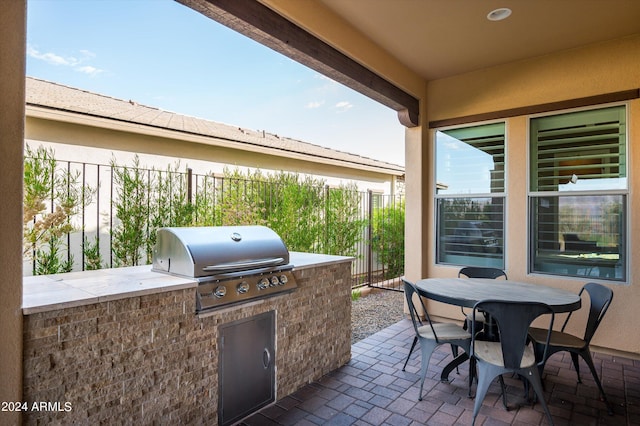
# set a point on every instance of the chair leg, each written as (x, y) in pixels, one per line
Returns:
(576, 364)
(486, 375)
(525, 384)
(534, 379)
(413, 345)
(454, 352)
(504, 392)
(426, 347)
(539, 353)
(472, 373)
(586, 355)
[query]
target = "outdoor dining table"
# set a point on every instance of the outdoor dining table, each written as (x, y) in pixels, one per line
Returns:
(466, 292)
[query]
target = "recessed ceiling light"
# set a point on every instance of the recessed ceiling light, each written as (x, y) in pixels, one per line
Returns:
(499, 14)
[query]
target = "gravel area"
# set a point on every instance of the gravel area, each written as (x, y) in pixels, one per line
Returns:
(374, 312)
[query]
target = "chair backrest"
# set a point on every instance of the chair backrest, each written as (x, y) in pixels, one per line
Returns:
(600, 297)
(513, 320)
(409, 290)
(481, 272)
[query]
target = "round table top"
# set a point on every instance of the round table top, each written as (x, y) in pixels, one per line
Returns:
(467, 292)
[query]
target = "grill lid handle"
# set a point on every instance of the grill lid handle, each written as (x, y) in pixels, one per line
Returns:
(244, 265)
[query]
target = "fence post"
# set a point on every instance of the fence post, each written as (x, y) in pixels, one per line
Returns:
(326, 218)
(82, 235)
(370, 238)
(189, 185)
(68, 218)
(111, 218)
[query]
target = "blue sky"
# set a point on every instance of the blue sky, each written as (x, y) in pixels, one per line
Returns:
(163, 54)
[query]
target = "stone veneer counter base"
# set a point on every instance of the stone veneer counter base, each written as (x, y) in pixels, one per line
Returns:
(124, 345)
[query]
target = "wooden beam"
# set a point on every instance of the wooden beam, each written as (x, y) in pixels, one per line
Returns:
(267, 27)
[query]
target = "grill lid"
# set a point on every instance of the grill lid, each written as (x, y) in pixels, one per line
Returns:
(217, 250)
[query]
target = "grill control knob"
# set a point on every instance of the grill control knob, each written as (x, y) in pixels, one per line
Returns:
(274, 281)
(283, 279)
(220, 291)
(243, 287)
(263, 283)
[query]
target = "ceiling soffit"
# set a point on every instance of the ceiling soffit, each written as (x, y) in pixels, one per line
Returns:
(444, 38)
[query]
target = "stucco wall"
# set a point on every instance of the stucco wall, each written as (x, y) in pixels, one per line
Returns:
(598, 69)
(12, 66)
(197, 152)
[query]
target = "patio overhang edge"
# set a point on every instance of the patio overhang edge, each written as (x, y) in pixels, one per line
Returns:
(599, 99)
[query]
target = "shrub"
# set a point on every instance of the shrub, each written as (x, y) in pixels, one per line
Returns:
(308, 215)
(129, 234)
(388, 243)
(51, 198)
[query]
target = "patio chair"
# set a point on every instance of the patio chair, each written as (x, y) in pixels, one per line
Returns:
(478, 272)
(511, 354)
(600, 299)
(481, 272)
(430, 334)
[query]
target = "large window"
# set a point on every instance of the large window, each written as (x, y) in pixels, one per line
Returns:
(578, 192)
(470, 195)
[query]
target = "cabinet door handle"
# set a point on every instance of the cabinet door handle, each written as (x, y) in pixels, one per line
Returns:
(266, 358)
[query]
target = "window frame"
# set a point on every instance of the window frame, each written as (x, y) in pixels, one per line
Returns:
(470, 195)
(625, 193)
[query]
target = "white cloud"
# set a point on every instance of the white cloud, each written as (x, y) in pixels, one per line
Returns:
(343, 106)
(50, 58)
(69, 61)
(88, 53)
(88, 69)
(316, 104)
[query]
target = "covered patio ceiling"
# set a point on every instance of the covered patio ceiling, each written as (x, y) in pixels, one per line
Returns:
(442, 38)
(433, 39)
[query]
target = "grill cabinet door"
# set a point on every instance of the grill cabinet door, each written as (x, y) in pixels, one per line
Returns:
(247, 367)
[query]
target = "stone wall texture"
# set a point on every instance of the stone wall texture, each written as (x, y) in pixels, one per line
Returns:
(150, 360)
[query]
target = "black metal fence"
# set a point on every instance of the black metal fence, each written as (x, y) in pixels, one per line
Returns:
(111, 214)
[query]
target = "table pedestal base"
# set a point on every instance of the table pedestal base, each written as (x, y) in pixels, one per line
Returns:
(444, 376)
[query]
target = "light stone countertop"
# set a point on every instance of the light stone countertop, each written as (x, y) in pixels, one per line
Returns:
(52, 292)
(311, 260)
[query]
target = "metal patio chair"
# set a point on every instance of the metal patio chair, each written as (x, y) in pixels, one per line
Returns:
(430, 334)
(600, 299)
(478, 272)
(511, 354)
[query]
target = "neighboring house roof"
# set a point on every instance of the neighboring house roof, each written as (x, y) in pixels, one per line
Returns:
(58, 97)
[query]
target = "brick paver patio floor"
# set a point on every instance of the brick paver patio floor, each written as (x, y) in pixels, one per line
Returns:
(372, 389)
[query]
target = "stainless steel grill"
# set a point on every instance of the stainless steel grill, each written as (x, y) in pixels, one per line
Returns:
(232, 264)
